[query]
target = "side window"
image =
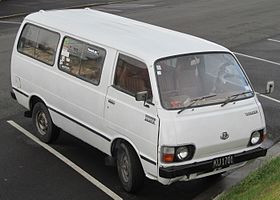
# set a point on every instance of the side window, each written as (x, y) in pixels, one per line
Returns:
(38, 43)
(82, 60)
(28, 40)
(132, 76)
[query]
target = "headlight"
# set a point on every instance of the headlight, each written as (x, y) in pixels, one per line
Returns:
(177, 154)
(182, 153)
(256, 138)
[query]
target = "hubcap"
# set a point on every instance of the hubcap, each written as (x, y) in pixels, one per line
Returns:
(124, 167)
(42, 123)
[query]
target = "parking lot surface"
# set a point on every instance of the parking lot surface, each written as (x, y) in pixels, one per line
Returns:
(10, 8)
(30, 171)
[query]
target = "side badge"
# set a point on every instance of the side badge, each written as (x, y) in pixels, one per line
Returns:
(251, 113)
(224, 136)
(150, 119)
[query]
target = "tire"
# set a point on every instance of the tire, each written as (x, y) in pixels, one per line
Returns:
(130, 170)
(47, 132)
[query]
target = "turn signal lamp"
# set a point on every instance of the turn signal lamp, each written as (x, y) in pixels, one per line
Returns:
(168, 154)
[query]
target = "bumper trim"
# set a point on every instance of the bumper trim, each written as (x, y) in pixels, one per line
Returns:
(207, 166)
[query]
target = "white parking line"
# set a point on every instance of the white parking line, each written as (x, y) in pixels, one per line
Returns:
(144, 5)
(270, 98)
(108, 10)
(257, 58)
(273, 40)
(263, 60)
(9, 22)
(67, 161)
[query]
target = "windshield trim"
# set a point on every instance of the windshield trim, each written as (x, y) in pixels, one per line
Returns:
(210, 104)
(197, 53)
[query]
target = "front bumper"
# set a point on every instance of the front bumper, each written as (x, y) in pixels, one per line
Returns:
(207, 166)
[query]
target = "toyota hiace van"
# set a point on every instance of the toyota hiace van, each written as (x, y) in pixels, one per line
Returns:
(162, 104)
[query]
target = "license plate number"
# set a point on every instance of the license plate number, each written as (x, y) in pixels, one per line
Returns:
(223, 161)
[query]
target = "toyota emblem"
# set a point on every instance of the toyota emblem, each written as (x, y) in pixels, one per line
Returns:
(224, 136)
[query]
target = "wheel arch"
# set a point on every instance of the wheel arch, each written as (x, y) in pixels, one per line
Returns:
(117, 141)
(33, 100)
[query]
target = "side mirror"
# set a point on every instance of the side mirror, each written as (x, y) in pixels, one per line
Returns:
(269, 87)
(141, 96)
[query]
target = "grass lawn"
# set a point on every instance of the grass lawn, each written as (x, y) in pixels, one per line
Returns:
(263, 184)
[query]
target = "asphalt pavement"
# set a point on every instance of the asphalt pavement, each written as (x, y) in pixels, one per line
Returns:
(28, 171)
(10, 8)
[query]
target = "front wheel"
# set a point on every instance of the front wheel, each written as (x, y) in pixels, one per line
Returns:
(46, 130)
(129, 168)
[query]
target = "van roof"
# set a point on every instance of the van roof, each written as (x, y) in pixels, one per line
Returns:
(145, 41)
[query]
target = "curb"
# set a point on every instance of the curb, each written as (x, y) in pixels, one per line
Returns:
(219, 195)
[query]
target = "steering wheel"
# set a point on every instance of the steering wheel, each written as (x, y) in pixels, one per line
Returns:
(221, 79)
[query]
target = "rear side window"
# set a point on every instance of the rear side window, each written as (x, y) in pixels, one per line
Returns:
(82, 60)
(38, 43)
(132, 76)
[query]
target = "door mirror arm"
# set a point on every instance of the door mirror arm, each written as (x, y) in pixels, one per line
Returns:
(142, 96)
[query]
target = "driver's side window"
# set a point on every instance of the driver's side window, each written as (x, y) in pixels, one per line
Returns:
(131, 76)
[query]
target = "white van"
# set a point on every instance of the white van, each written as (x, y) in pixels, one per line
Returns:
(163, 104)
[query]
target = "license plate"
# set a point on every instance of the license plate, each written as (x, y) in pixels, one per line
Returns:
(223, 161)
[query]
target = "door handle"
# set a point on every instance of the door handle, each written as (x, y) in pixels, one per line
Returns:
(111, 101)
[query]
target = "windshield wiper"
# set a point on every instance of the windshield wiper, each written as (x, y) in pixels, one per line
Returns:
(193, 101)
(232, 97)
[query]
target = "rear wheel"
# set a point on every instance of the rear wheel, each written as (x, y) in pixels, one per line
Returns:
(46, 131)
(130, 169)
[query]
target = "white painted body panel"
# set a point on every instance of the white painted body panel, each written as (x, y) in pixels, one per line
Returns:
(126, 119)
(203, 127)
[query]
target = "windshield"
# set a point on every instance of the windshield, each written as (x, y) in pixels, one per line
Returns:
(185, 81)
